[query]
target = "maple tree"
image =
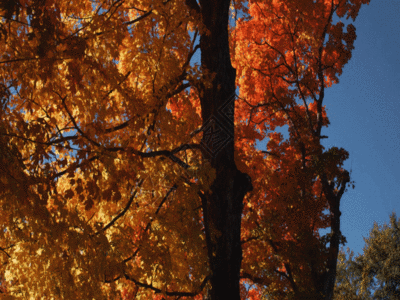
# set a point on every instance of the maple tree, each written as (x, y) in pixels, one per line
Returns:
(129, 172)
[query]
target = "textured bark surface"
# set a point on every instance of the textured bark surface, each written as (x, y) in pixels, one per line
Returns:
(222, 206)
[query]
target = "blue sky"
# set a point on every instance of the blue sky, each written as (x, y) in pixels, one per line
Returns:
(364, 111)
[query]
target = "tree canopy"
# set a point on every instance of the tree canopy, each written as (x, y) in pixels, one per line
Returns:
(374, 274)
(129, 172)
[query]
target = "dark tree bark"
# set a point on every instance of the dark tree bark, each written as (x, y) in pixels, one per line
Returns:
(326, 282)
(223, 204)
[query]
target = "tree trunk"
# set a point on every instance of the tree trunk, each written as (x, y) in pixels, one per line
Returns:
(222, 205)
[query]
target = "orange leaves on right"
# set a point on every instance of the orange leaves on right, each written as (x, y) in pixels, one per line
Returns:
(286, 53)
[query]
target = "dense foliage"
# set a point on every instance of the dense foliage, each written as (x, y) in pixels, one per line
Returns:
(128, 171)
(374, 274)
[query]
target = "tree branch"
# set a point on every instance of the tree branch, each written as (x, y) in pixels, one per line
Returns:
(140, 18)
(192, 4)
(174, 187)
(122, 213)
(169, 293)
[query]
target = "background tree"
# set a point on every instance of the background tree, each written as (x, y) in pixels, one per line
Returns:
(348, 278)
(137, 174)
(376, 270)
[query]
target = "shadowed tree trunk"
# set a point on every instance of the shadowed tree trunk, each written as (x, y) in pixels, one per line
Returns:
(222, 205)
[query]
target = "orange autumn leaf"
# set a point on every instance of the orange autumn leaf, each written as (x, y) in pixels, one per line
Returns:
(128, 170)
